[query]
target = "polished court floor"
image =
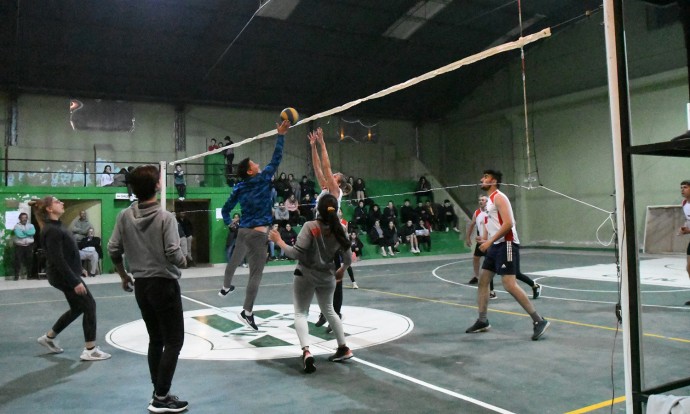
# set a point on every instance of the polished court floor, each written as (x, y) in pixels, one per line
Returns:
(405, 324)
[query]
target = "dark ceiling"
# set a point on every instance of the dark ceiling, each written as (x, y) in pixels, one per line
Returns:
(326, 53)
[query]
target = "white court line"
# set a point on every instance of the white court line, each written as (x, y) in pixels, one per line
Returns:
(396, 374)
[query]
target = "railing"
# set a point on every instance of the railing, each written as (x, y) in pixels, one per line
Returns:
(211, 172)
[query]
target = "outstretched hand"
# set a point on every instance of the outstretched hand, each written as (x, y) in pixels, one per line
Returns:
(319, 135)
(283, 127)
(274, 236)
(312, 138)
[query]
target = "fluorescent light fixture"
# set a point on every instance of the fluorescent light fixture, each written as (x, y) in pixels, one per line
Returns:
(415, 18)
(277, 9)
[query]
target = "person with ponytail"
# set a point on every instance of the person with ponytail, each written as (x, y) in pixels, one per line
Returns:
(64, 271)
(331, 183)
(318, 243)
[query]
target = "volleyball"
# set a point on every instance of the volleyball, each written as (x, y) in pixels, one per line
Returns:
(290, 114)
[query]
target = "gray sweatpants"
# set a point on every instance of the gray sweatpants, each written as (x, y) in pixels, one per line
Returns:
(303, 291)
(253, 245)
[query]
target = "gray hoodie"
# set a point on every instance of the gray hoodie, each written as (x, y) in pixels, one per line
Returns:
(148, 237)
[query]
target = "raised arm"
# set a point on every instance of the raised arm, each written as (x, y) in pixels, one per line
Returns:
(331, 184)
(316, 161)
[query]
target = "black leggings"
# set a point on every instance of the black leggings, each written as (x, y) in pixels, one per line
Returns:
(78, 304)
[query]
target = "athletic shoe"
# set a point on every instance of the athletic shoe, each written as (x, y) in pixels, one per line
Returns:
(457, 230)
(492, 295)
(94, 354)
(536, 290)
(51, 344)
(308, 361)
(170, 404)
(225, 292)
(341, 354)
(244, 265)
(248, 320)
(354, 285)
(478, 326)
(540, 328)
(321, 321)
(687, 303)
(473, 281)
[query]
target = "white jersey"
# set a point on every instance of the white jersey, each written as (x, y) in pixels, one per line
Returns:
(322, 193)
(480, 218)
(686, 211)
(494, 220)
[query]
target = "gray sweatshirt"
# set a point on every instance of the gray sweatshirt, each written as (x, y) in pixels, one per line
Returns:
(315, 249)
(148, 237)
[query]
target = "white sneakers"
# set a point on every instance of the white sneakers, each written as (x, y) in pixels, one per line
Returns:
(51, 344)
(94, 355)
(354, 285)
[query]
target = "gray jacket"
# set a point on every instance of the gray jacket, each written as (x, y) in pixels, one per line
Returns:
(148, 237)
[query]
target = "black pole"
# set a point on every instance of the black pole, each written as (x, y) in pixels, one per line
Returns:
(629, 210)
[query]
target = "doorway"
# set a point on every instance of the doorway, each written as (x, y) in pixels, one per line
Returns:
(197, 212)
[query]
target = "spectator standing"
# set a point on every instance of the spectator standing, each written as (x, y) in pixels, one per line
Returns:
(423, 190)
(180, 183)
(23, 245)
(189, 233)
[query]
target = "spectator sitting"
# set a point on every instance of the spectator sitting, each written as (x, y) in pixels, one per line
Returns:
(390, 235)
(292, 207)
(423, 214)
(359, 218)
(374, 215)
(376, 237)
(447, 216)
(423, 234)
(289, 236)
(90, 249)
(306, 187)
(295, 186)
(281, 215)
(356, 244)
(390, 213)
(432, 209)
(80, 226)
(282, 186)
(407, 212)
(423, 190)
(107, 177)
(120, 179)
(359, 189)
(306, 208)
(408, 236)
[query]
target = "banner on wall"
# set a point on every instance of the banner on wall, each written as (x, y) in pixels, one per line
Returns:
(101, 115)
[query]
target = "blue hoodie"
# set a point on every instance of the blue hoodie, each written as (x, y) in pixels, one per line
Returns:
(254, 194)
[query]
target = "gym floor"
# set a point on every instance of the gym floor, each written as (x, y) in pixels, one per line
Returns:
(406, 325)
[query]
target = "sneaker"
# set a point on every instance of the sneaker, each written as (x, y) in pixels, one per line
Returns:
(540, 328)
(492, 295)
(687, 303)
(457, 230)
(244, 265)
(473, 281)
(248, 320)
(51, 344)
(479, 326)
(383, 254)
(321, 321)
(536, 290)
(354, 285)
(170, 404)
(94, 354)
(341, 354)
(225, 292)
(308, 361)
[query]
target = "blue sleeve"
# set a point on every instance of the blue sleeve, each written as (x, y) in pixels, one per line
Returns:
(277, 157)
(230, 203)
(30, 230)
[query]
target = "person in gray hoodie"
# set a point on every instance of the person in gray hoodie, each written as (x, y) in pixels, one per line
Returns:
(147, 235)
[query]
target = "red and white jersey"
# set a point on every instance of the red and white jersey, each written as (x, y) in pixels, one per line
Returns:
(686, 211)
(494, 221)
(480, 219)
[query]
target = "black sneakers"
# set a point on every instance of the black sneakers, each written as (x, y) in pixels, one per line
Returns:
(492, 295)
(473, 281)
(540, 329)
(321, 321)
(308, 361)
(536, 290)
(224, 292)
(479, 326)
(248, 320)
(341, 354)
(170, 404)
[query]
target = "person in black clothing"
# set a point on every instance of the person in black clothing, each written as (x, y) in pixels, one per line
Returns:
(424, 190)
(64, 273)
(306, 187)
(229, 154)
(390, 213)
(359, 218)
(374, 215)
(90, 249)
(447, 217)
(407, 212)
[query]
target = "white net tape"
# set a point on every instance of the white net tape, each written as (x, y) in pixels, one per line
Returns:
(521, 42)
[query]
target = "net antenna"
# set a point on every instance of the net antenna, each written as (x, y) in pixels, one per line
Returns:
(520, 43)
